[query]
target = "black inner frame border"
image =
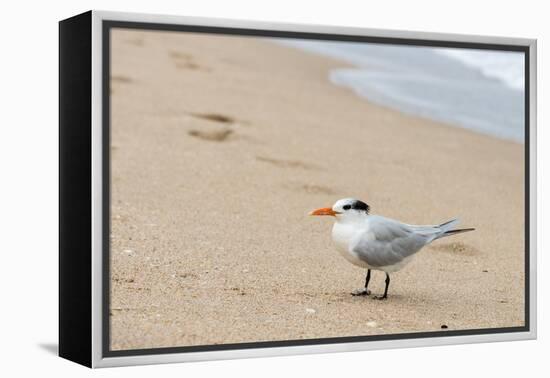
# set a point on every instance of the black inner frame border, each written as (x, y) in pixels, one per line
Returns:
(107, 25)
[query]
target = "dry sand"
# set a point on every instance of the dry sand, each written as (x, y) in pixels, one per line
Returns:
(220, 148)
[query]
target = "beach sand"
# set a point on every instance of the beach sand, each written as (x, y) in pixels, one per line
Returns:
(220, 148)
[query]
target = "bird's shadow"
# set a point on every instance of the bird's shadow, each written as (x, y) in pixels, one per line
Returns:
(347, 297)
(51, 348)
(406, 300)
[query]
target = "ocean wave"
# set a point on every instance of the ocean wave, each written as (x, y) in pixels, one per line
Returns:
(508, 67)
(480, 90)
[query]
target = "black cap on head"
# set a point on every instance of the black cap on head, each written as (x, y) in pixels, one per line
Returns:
(360, 205)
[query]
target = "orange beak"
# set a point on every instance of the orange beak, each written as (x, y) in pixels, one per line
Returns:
(324, 211)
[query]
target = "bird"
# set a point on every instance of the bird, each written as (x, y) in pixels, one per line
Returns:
(378, 243)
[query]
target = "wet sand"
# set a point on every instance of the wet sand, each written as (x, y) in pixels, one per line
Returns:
(220, 148)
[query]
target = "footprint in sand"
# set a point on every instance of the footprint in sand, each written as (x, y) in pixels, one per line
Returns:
(219, 135)
(186, 61)
(212, 135)
(456, 248)
(282, 163)
(215, 117)
(117, 80)
(121, 79)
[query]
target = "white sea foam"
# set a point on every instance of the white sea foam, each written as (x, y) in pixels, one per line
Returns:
(480, 90)
(509, 67)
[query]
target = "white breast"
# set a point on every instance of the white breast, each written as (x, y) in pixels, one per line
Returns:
(342, 234)
(357, 239)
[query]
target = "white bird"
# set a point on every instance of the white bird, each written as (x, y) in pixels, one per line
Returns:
(378, 243)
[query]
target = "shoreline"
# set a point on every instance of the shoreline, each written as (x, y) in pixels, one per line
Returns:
(429, 119)
(382, 77)
(222, 145)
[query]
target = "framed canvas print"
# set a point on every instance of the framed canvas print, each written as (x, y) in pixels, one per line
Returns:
(235, 189)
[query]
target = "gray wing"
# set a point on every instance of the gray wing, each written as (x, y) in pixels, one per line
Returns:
(387, 242)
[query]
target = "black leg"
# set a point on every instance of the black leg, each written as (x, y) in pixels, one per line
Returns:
(385, 296)
(387, 286)
(364, 291)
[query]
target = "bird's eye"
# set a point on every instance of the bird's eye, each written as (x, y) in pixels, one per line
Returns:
(346, 207)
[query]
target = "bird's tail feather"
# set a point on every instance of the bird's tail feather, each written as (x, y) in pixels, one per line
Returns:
(448, 230)
(457, 231)
(448, 225)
